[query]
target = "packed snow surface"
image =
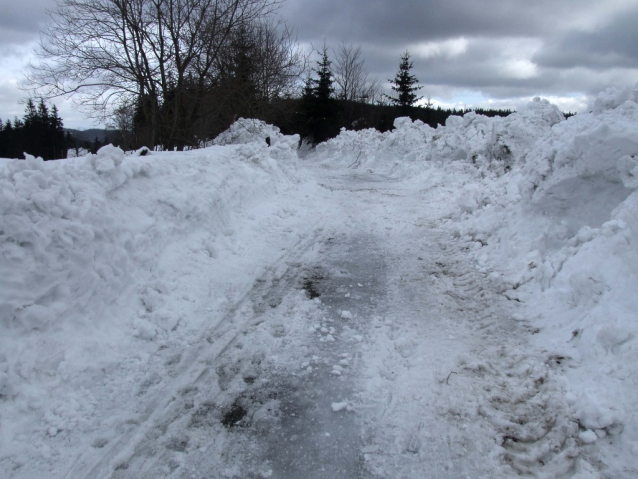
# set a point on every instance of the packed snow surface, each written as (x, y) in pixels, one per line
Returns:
(450, 302)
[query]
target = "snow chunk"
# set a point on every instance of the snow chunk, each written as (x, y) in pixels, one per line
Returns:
(246, 131)
(593, 412)
(628, 169)
(587, 436)
(470, 200)
(339, 406)
(612, 98)
(107, 159)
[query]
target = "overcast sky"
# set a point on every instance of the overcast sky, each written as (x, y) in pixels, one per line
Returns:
(497, 53)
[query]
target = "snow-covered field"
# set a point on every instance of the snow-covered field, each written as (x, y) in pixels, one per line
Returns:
(450, 302)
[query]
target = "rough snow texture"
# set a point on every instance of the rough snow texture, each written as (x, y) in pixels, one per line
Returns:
(104, 255)
(550, 210)
(245, 131)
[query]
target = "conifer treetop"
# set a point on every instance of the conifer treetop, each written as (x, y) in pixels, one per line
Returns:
(323, 86)
(405, 84)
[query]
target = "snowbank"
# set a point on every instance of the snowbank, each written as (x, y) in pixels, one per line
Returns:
(73, 231)
(380, 152)
(245, 131)
(494, 143)
(95, 254)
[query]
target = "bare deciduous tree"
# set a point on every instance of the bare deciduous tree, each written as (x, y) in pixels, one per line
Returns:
(282, 61)
(159, 54)
(261, 64)
(122, 119)
(353, 80)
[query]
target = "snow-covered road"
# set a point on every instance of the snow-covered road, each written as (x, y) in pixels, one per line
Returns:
(446, 385)
(373, 349)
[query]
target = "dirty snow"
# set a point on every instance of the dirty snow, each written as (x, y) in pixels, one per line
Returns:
(450, 302)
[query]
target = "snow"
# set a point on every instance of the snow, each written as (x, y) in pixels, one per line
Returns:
(477, 314)
(548, 208)
(104, 260)
(346, 314)
(339, 406)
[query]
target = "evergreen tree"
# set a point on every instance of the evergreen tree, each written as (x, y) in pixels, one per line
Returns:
(57, 139)
(43, 113)
(40, 133)
(323, 88)
(30, 112)
(320, 108)
(405, 84)
(9, 141)
(96, 145)
(34, 131)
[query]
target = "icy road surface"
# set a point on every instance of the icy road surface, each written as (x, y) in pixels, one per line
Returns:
(372, 348)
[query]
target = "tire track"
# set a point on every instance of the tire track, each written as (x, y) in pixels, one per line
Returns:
(517, 394)
(196, 365)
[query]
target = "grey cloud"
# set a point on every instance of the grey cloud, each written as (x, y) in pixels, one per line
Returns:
(550, 82)
(20, 21)
(480, 69)
(477, 68)
(569, 62)
(400, 21)
(614, 45)
(9, 106)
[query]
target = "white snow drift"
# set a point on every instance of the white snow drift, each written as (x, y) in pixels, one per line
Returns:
(101, 253)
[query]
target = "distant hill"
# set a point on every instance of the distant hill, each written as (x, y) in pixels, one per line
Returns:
(91, 134)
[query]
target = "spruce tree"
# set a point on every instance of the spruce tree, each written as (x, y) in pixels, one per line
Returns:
(405, 84)
(30, 112)
(57, 139)
(32, 133)
(40, 133)
(323, 86)
(320, 108)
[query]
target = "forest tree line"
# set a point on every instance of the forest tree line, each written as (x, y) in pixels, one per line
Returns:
(49, 140)
(41, 133)
(173, 74)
